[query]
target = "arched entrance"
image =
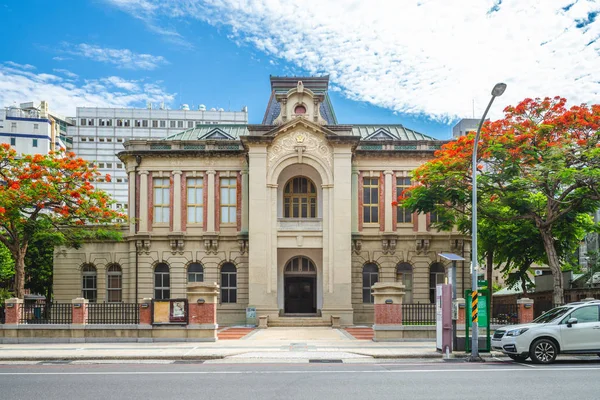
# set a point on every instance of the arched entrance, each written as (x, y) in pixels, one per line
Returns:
(300, 286)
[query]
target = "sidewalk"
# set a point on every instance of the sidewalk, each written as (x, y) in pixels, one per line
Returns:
(274, 344)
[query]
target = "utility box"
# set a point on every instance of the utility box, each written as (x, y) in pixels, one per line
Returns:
(443, 318)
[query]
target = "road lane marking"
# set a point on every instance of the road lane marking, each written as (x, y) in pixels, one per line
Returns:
(291, 372)
(190, 351)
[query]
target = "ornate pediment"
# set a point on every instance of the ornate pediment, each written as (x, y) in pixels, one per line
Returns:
(216, 134)
(300, 103)
(301, 142)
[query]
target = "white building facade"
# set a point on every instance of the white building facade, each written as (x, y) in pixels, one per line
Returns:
(99, 133)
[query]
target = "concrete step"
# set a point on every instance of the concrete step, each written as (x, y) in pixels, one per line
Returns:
(233, 333)
(361, 333)
(298, 322)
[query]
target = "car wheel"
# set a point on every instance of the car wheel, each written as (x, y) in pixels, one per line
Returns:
(543, 351)
(517, 357)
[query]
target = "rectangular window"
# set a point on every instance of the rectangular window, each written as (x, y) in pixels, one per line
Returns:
(35, 143)
(180, 124)
(403, 215)
(119, 165)
(119, 122)
(13, 127)
(109, 140)
(120, 140)
(163, 124)
(114, 283)
(138, 123)
(83, 139)
(172, 124)
(108, 165)
(371, 200)
(13, 141)
(145, 123)
(83, 122)
(155, 124)
(36, 127)
(101, 122)
(161, 200)
(90, 122)
(109, 122)
(91, 139)
(101, 139)
(190, 124)
(195, 200)
(228, 200)
(101, 165)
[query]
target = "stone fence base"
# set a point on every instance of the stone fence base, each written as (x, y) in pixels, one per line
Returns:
(106, 333)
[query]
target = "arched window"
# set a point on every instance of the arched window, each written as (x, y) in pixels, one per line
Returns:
(114, 284)
(300, 265)
(228, 283)
(195, 273)
(437, 273)
(404, 274)
(89, 283)
(300, 109)
(370, 277)
(300, 198)
(162, 282)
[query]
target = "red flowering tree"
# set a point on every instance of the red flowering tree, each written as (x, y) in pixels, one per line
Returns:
(55, 189)
(540, 163)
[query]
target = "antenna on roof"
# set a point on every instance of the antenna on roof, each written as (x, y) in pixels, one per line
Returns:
(473, 108)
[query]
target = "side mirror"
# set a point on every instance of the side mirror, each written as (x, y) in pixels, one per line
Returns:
(571, 321)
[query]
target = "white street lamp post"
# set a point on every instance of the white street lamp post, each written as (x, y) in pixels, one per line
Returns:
(498, 89)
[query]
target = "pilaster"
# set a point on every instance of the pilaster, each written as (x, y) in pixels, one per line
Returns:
(143, 202)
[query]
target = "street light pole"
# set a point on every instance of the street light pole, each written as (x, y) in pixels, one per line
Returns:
(498, 89)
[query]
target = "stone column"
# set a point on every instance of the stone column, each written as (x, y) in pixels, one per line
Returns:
(388, 198)
(12, 308)
(145, 311)
(80, 311)
(131, 206)
(244, 201)
(461, 318)
(525, 310)
(176, 201)
(354, 202)
(143, 202)
(202, 311)
(210, 215)
(388, 311)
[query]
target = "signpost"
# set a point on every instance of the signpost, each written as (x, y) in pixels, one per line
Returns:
(452, 275)
(483, 320)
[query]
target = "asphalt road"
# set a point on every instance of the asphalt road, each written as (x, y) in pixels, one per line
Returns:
(391, 380)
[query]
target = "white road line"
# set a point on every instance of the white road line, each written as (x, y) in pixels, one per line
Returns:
(423, 371)
(190, 351)
(525, 365)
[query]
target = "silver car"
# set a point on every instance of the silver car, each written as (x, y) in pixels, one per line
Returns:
(570, 329)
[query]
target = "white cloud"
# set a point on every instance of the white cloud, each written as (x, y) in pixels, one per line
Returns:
(122, 58)
(431, 58)
(12, 64)
(66, 73)
(21, 85)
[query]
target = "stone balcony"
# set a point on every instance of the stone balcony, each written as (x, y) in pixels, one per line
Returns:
(299, 224)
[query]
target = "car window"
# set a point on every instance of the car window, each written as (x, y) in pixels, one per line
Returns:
(551, 315)
(585, 314)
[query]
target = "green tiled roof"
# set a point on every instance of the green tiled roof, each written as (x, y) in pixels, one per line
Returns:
(382, 132)
(205, 132)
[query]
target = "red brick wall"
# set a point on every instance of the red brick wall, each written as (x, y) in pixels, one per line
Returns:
(12, 314)
(183, 201)
(360, 202)
(80, 314)
(218, 201)
(238, 193)
(202, 313)
(381, 201)
(428, 222)
(388, 314)
(145, 315)
(150, 201)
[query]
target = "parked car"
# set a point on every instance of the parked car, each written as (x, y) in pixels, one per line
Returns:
(570, 329)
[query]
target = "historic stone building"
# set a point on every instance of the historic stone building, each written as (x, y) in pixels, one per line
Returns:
(293, 216)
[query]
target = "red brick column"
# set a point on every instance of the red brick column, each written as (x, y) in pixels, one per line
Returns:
(203, 313)
(12, 309)
(202, 303)
(388, 314)
(461, 320)
(80, 311)
(146, 312)
(525, 308)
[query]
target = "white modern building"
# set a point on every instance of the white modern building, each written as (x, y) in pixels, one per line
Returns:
(99, 133)
(30, 128)
(464, 126)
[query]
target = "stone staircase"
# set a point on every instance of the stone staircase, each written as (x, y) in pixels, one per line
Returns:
(293, 321)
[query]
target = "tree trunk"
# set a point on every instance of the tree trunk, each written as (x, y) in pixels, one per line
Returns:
(554, 264)
(19, 273)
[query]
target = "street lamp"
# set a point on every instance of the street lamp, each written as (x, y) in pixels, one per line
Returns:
(498, 89)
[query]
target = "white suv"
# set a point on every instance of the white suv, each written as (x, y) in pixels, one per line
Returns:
(570, 329)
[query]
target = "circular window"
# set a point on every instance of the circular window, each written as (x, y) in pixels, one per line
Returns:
(300, 110)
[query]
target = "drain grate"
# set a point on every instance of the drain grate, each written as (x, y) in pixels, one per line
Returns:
(56, 362)
(188, 362)
(319, 361)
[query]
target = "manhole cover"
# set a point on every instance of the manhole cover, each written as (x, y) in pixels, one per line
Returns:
(188, 362)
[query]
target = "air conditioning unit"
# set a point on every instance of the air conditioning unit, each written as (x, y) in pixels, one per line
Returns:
(538, 272)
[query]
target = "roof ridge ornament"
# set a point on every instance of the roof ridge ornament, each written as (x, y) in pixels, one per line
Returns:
(300, 87)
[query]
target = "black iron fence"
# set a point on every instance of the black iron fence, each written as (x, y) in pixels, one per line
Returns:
(418, 314)
(46, 313)
(113, 313)
(505, 314)
(2, 315)
(540, 307)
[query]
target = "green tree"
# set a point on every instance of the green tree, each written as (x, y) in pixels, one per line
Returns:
(55, 188)
(7, 264)
(538, 165)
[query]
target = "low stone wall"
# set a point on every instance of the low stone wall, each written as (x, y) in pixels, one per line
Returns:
(68, 333)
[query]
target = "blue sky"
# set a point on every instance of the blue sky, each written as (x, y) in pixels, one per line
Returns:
(420, 63)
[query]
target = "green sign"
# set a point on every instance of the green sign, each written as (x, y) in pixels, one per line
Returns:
(483, 321)
(482, 283)
(482, 311)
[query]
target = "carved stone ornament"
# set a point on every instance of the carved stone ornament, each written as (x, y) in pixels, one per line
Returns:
(422, 245)
(211, 246)
(143, 246)
(356, 246)
(177, 246)
(243, 246)
(311, 144)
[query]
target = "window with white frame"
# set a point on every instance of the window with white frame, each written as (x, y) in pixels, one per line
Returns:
(154, 124)
(403, 215)
(114, 284)
(228, 283)
(163, 124)
(180, 124)
(190, 124)
(228, 200)
(162, 282)
(172, 124)
(195, 200)
(161, 200)
(404, 275)
(371, 200)
(195, 273)
(89, 283)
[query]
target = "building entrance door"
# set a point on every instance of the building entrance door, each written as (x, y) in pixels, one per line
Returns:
(300, 295)
(300, 286)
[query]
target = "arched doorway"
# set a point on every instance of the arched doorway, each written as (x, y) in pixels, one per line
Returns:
(300, 286)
